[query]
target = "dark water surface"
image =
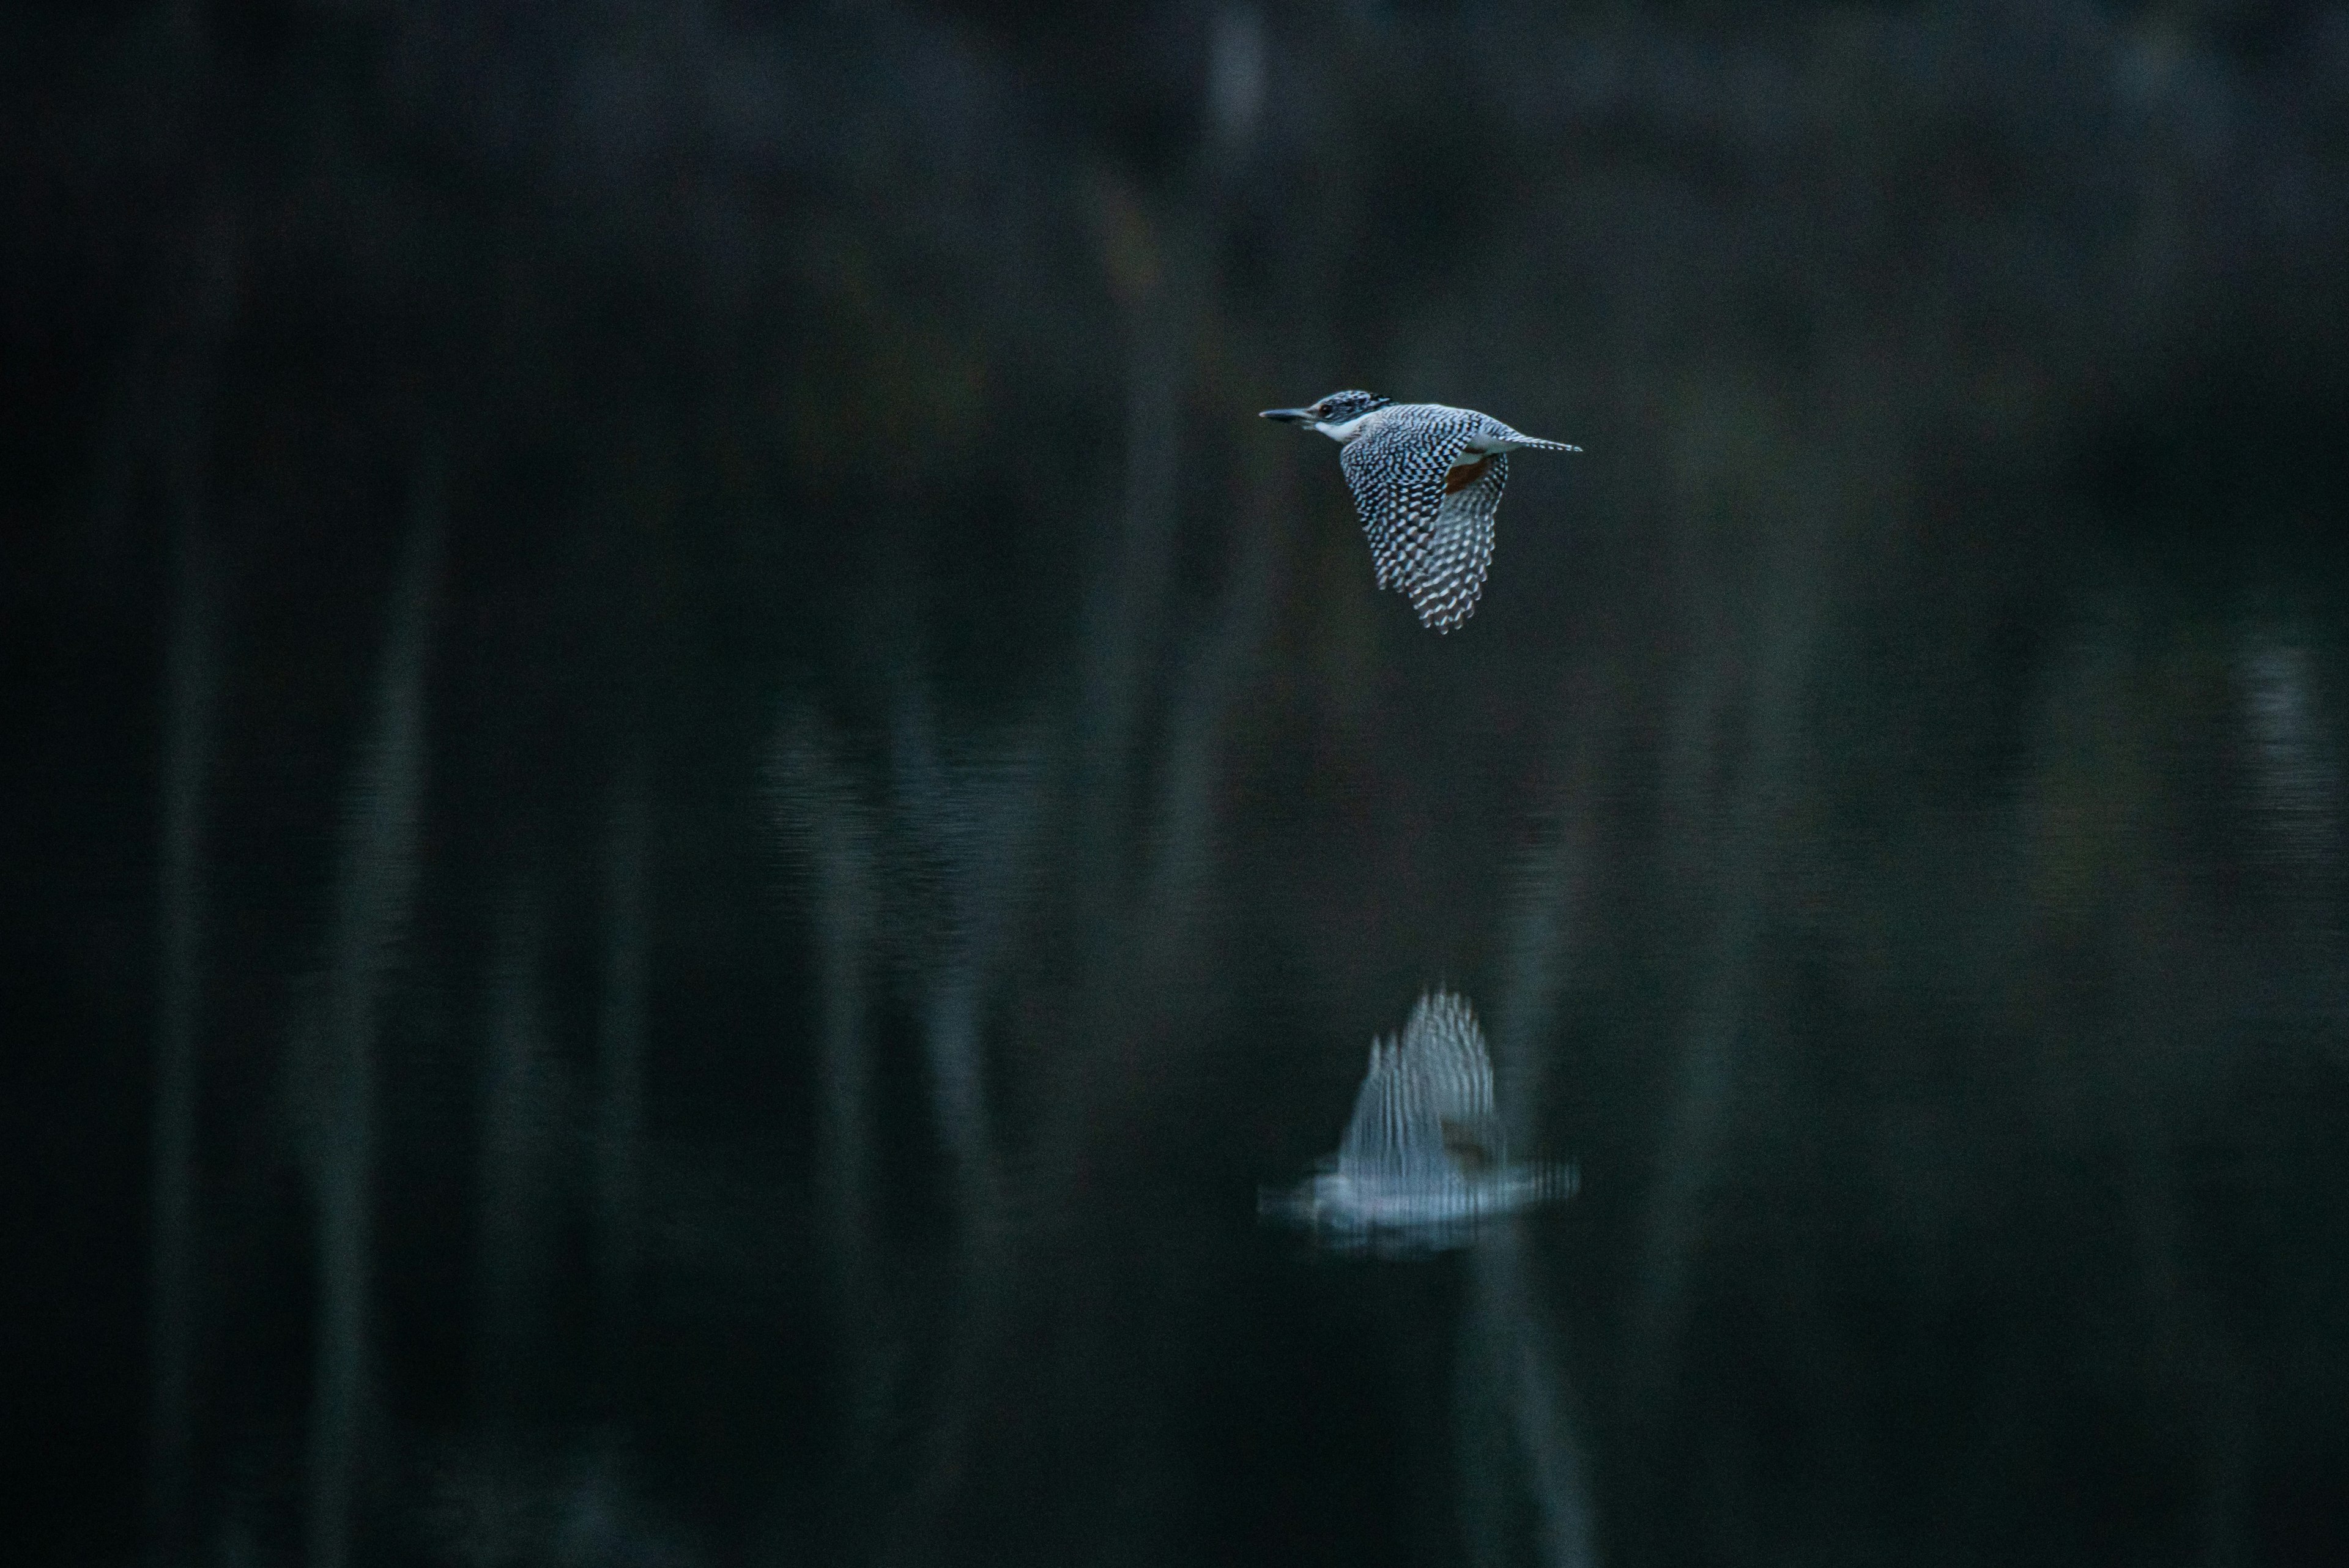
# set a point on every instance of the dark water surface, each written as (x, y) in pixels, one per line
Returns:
(695, 810)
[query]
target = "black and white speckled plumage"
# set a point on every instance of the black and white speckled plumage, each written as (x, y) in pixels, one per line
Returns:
(1427, 481)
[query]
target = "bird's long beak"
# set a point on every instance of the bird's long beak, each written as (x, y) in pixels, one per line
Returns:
(1288, 416)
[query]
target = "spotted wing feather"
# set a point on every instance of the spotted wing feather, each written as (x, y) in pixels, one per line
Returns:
(1396, 471)
(1450, 575)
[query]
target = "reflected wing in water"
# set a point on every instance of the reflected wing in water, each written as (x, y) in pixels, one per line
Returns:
(1394, 1134)
(1446, 1052)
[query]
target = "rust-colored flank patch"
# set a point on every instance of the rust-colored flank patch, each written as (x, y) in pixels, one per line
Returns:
(1461, 475)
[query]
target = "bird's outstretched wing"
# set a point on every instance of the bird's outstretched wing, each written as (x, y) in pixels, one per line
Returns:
(1444, 1050)
(1425, 1108)
(1396, 471)
(1394, 1134)
(1460, 547)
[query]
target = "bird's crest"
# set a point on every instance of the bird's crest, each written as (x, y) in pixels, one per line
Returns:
(1339, 407)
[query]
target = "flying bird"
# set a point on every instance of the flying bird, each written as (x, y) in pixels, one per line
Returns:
(1427, 480)
(1422, 1160)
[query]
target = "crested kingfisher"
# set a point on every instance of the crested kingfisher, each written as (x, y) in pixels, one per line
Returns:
(1427, 480)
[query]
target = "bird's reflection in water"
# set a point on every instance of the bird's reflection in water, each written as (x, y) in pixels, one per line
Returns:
(1422, 1165)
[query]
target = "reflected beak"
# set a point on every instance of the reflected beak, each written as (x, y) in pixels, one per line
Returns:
(1288, 416)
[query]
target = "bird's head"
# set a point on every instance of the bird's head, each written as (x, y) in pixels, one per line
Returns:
(1336, 416)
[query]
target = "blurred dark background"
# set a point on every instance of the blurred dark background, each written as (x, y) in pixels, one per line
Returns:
(691, 804)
